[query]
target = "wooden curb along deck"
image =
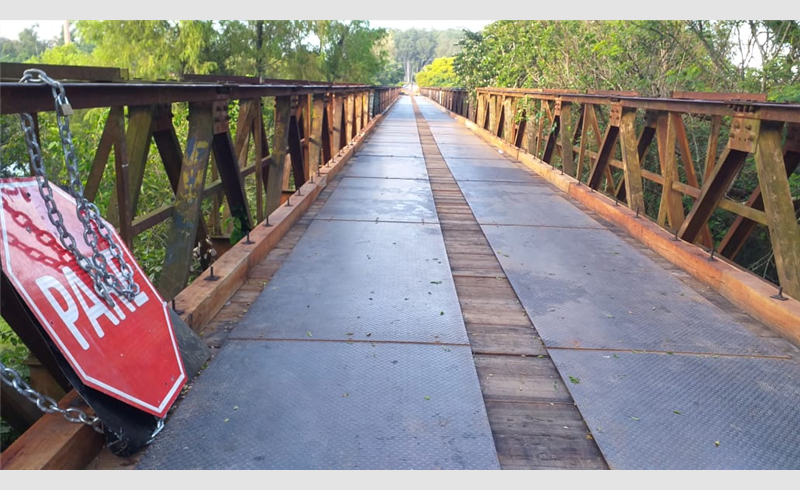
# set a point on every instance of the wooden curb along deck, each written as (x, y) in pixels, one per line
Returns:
(746, 291)
(534, 420)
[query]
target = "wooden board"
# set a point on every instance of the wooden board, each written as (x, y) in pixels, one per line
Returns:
(526, 400)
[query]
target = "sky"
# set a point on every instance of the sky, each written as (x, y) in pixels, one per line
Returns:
(49, 29)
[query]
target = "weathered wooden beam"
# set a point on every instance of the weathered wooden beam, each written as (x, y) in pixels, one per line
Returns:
(781, 219)
(500, 119)
(336, 113)
(645, 140)
(711, 149)
(248, 110)
(712, 192)
(110, 132)
(316, 144)
(283, 114)
(606, 150)
(520, 137)
(122, 169)
(169, 149)
(137, 140)
(296, 153)
(671, 206)
(365, 111)
(510, 110)
(186, 214)
(550, 146)
(583, 145)
(493, 114)
(630, 159)
(308, 107)
(232, 182)
(567, 137)
(689, 170)
(349, 115)
(327, 128)
(358, 111)
(742, 226)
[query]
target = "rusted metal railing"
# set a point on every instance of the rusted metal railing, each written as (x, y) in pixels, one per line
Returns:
(604, 139)
(313, 122)
(316, 127)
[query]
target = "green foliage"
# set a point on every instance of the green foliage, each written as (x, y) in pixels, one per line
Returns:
(653, 57)
(438, 74)
(346, 51)
(415, 48)
(12, 352)
(26, 46)
(71, 54)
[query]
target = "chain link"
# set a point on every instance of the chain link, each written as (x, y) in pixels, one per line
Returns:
(96, 266)
(45, 403)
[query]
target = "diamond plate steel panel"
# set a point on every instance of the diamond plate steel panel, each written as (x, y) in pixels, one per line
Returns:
(590, 289)
(483, 152)
(658, 411)
(450, 130)
(491, 170)
(364, 281)
(511, 203)
(393, 149)
(324, 405)
(381, 199)
(388, 167)
(393, 138)
(459, 139)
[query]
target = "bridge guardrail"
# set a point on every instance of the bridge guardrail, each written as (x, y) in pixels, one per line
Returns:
(604, 140)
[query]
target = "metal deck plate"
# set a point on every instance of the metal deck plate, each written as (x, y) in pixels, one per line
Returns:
(330, 405)
(348, 280)
(382, 200)
(490, 170)
(482, 152)
(459, 139)
(388, 167)
(629, 402)
(451, 130)
(511, 203)
(589, 289)
(394, 137)
(393, 149)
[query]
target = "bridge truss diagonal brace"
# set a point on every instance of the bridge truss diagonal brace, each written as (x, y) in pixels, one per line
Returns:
(189, 196)
(778, 206)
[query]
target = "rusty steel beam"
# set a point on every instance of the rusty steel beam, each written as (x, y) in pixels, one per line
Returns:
(26, 97)
(763, 110)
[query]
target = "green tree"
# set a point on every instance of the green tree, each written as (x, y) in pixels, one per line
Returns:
(151, 49)
(26, 45)
(347, 52)
(440, 73)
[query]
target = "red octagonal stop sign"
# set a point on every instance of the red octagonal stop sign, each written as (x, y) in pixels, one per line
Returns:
(127, 350)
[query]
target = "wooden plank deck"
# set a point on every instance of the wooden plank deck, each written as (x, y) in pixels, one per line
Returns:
(534, 420)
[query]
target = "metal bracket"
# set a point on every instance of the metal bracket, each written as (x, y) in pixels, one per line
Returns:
(162, 118)
(221, 117)
(615, 115)
(744, 133)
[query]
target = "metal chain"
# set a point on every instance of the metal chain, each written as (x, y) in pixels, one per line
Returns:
(45, 403)
(96, 265)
